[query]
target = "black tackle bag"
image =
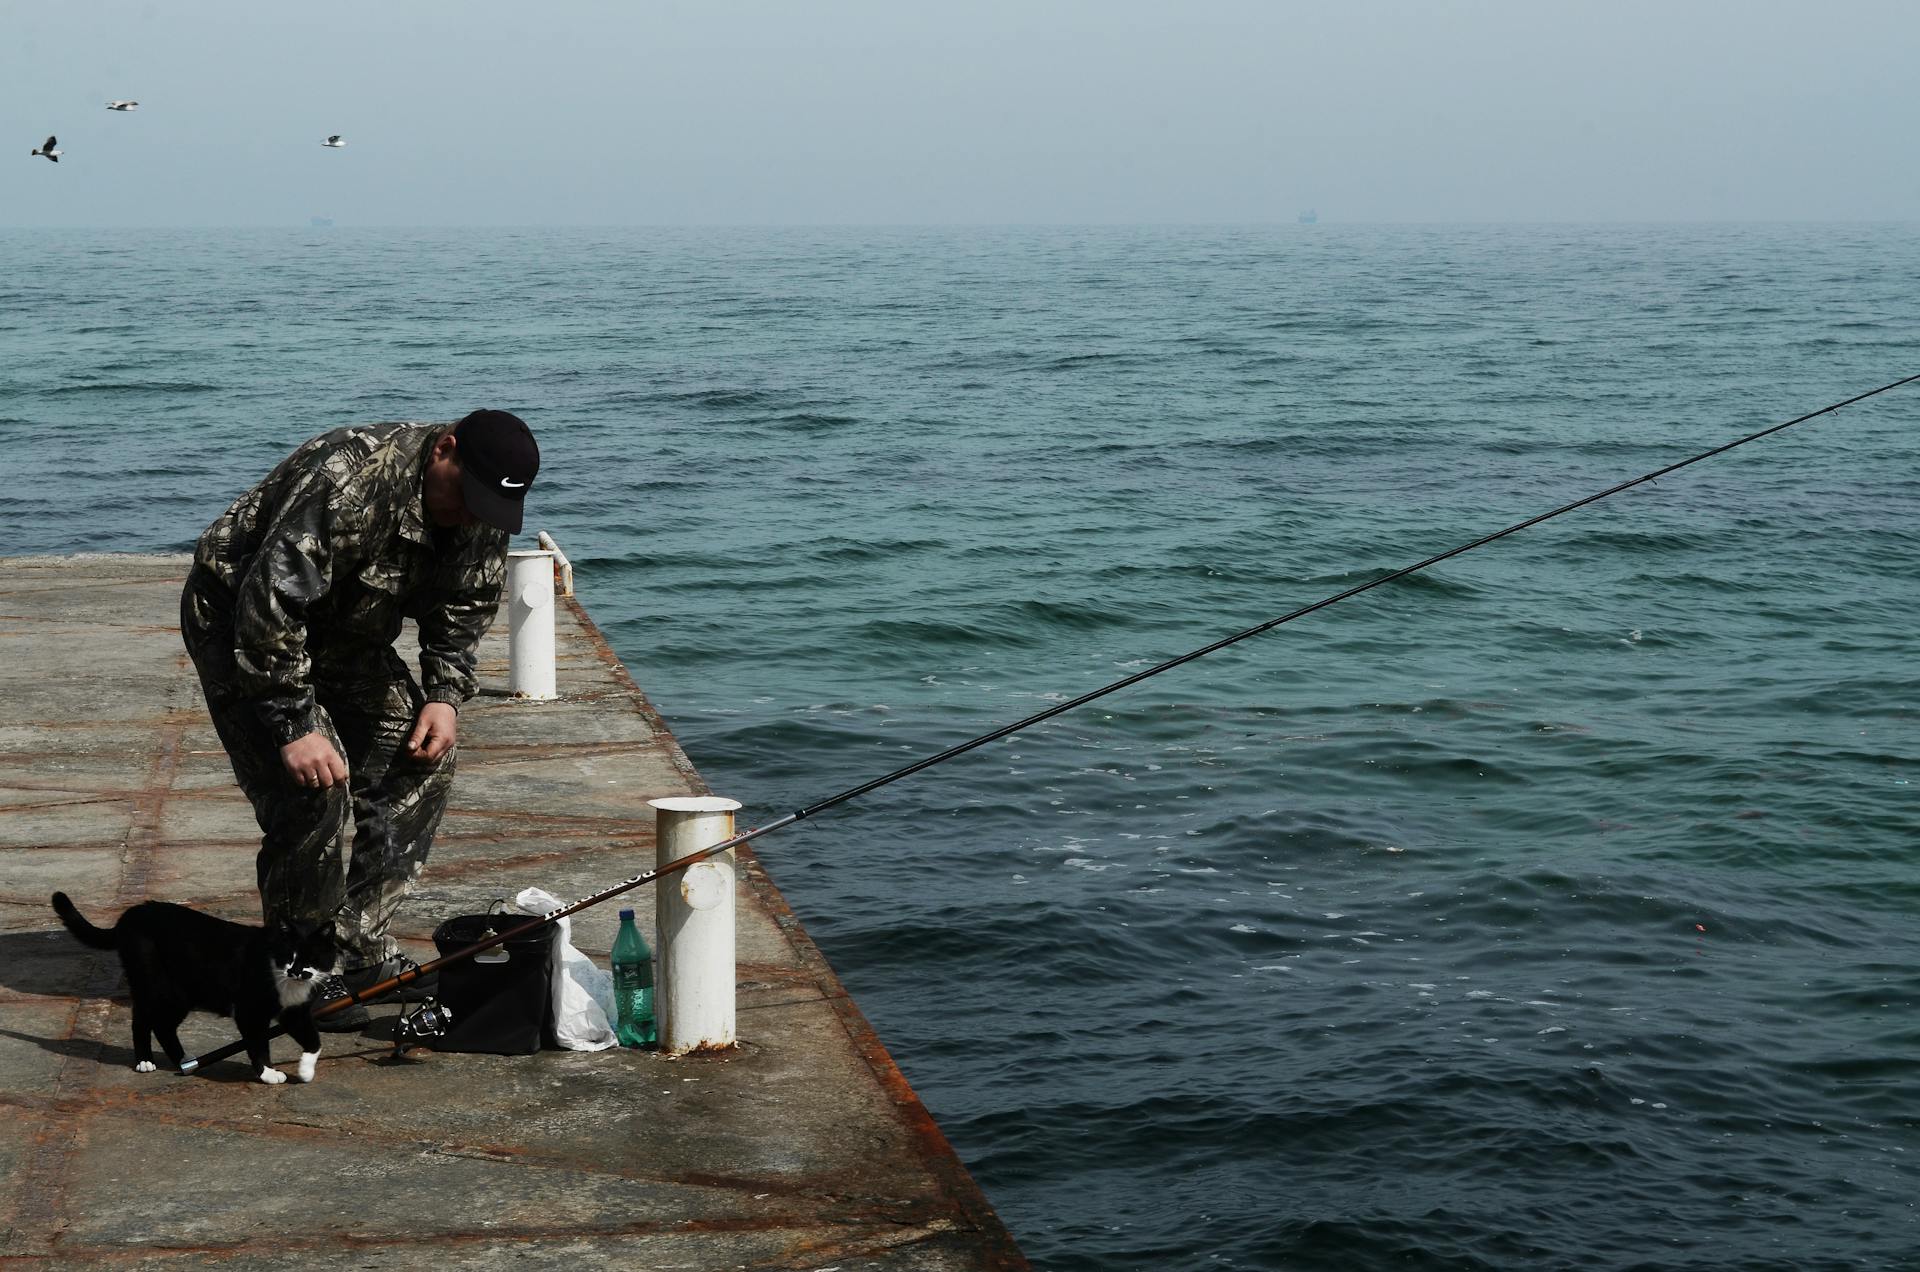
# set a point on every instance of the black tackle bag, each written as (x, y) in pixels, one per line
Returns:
(500, 1000)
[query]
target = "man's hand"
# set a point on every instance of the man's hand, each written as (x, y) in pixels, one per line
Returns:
(311, 761)
(434, 733)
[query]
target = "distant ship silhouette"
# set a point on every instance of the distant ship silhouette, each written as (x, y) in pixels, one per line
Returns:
(1309, 217)
(320, 222)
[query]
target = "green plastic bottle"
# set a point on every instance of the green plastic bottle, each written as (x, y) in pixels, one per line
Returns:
(633, 985)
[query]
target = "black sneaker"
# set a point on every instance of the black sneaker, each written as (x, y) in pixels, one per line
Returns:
(419, 989)
(349, 1019)
(361, 979)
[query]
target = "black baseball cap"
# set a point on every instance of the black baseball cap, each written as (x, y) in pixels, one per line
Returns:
(498, 459)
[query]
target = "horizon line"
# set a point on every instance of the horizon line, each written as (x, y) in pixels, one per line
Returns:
(1320, 223)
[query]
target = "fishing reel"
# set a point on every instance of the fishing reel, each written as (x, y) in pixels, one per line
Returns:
(425, 1024)
(421, 1027)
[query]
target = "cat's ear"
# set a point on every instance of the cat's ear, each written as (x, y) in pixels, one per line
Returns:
(283, 941)
(320, 947)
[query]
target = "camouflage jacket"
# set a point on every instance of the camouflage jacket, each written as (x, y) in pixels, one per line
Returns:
(323, 559)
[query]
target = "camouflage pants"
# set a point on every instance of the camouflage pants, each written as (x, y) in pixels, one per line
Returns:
(345, 855)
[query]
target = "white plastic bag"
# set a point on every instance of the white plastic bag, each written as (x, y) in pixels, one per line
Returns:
(582, 993)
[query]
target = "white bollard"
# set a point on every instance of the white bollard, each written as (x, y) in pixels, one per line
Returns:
(530, 671)
(693, 912)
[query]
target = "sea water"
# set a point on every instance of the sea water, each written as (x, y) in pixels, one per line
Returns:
(1558, 906)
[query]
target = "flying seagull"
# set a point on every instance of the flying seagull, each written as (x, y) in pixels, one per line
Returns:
(333, 142)
(47, 151)
(121, 105)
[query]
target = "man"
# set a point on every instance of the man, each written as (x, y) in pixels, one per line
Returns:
(290, 612)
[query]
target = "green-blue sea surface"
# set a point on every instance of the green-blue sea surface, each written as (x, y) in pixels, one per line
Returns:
(1557, 907)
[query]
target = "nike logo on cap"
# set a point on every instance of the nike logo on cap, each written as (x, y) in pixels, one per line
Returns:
(508, 483)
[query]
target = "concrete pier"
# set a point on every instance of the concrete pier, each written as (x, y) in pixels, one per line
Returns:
(802, 1148)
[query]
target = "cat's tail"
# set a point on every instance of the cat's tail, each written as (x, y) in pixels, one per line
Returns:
(98, 938)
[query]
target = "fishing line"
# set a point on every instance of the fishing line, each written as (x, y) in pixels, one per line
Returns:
(693, 858)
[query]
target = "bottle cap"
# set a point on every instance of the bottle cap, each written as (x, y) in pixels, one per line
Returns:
(626, 914)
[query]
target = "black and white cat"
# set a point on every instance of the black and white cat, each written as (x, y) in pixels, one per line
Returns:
(179, 960)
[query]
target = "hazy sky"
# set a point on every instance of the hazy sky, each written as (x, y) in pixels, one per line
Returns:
(897, 111)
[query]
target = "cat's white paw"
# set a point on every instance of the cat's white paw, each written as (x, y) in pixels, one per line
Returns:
(272, 1077)
(308, 1059)
(145, 1066)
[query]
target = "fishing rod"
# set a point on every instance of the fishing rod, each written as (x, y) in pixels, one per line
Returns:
(410, 975)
